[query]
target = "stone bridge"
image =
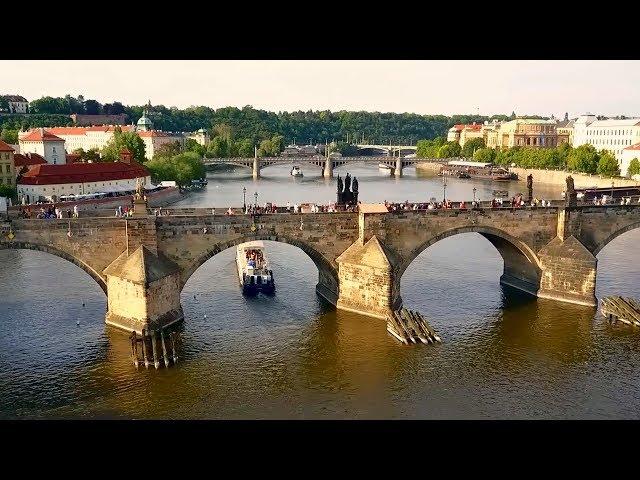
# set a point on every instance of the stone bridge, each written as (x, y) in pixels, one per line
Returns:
(143, 262)
(326, 165)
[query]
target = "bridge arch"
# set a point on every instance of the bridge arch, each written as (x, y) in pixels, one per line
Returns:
(58, 253)
(522, 267)
(614, 235)
(327, 285)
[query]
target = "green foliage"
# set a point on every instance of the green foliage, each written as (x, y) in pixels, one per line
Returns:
(180, 168)
(245, 148)
(9, 192)
(346, 149)
(168, 150)
(634, 167)
(91, 155)
(19, 121)
(429, 148)
(122, 140)
(608, 165)
(583, 159)
(486, 155)
(218, 147)
(9, 136)
(191, 145)
(470, 146)
(271, 147)
(449, 150)
(4, 105)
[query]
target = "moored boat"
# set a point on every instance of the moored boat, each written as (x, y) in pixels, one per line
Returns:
(479, 170)
(296, 172)
(254, 273)
(384, 167)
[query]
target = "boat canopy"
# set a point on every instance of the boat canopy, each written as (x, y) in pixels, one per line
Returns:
(461, 163)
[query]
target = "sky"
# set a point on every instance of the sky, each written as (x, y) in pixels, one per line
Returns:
(421, 86)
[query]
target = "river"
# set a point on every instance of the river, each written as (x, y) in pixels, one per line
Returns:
(504, 354)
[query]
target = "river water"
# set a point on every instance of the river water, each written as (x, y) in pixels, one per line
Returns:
(505, 355)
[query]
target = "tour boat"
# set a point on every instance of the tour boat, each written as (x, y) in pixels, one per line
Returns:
(253, 269)
(296, 172)
(479, 170)
(382, 166)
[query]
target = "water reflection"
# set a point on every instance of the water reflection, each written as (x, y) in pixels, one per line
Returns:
(505, 354)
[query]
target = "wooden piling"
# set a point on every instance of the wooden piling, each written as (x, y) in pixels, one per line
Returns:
(164, 350)
(156, 362)
(134, 348)
(173, 347)
(410, 327)
(144, 349)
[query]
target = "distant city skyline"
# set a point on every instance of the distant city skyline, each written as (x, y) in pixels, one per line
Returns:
(424, 87)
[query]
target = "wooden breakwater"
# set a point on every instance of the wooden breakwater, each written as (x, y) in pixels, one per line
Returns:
(411, 327)
(152, 348)
(625, 310)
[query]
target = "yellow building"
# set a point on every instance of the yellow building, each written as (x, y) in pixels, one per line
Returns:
(527, 132)
(7, 165)
(469, 132)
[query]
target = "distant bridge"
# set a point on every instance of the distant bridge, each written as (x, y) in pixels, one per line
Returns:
(326, 165)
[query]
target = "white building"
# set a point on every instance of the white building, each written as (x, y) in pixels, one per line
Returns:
(629, 154)
(611, 135)
(50, 182)
(98, 137)
(17, 103)
(43, 143)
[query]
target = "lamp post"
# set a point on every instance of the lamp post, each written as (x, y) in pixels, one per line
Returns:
(255, 195)
(244, 198)
(612, 183)
(444, 189)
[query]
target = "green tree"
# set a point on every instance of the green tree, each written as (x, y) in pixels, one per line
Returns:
(91, 155)
(9, 136)
(584, 158)
(121, 140)
(8, 191)
(470, 146)
(168, 150)
(634, 168)
(608, 165)
(449, 150)
(245, 148)
(182, 168)
(92, 107)
(218, 147)
(486, 155)
(4, 104)
(191, 145)
(265, 149)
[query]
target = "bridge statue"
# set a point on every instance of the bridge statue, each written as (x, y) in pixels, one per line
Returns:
(139, 189)
(530, 186)
(347, 193)
(570, 196)
(140, 202)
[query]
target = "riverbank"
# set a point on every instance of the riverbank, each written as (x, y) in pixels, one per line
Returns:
(581, 180)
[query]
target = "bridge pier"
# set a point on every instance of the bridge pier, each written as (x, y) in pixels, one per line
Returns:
(368, 283)
(397, 171)
(327, 171)
(256, 168)
(143, 292)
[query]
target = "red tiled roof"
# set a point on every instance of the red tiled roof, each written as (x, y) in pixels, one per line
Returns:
(82, 172)
(5, 148)
(633, 147)
(41, 135)
(73, 157)
(84, 130)
(473, 127)
(28, 160)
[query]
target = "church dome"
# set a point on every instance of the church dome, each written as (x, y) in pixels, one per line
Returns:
(144, 123)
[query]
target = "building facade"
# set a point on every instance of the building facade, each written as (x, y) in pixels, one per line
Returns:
(7, 165)
(44, 143)
(97, 137)
(50, 182)
(628, 154)
(612, 135)
(526, 132)
(201, 136)
(17, 103)
(469, 132)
